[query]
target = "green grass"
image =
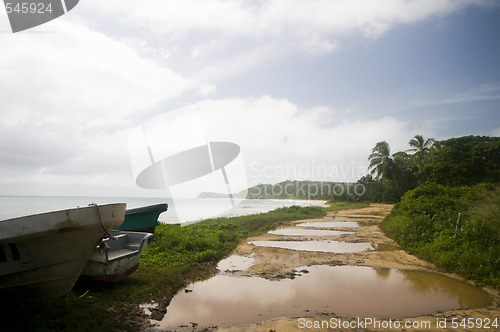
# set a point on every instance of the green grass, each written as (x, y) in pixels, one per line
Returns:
(425, 221)
(177, 256)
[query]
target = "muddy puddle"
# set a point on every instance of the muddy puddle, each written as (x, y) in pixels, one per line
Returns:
(235, 263)
(307, 232)
(344, 290)
(329, 224)
(337, 247)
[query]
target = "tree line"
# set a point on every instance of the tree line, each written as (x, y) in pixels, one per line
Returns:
(467, 160)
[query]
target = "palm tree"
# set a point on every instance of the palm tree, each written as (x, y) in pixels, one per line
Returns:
(382, 163)
(421, 148)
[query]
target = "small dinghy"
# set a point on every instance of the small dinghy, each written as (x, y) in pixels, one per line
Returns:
(116, 257)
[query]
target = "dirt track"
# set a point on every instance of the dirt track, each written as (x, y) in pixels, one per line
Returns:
(277, 263)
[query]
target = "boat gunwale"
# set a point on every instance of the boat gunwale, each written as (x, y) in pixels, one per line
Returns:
(59, 211)
(150, 208)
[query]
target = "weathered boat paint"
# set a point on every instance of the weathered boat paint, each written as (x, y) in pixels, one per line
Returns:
(42, 255)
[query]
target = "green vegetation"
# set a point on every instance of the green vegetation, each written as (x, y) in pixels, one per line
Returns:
(384, 165)
(421, 148)
(308, 190)
(366, 190)
(292, 190)
(391, 174)
(468, 160)
(425, 223)
(397, 173)
(435, 182)
(212, 239)
(177, 256)
(440, 182)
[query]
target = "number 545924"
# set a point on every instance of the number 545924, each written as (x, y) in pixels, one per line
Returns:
(28, 7)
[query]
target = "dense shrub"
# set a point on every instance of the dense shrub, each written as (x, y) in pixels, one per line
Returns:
(467, 160)
(425, 222)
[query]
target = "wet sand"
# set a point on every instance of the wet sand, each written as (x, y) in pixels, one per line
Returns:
(275, 263)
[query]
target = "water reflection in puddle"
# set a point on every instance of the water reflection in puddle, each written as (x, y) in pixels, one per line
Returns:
(344, 290)
(147, 306)
(307, 232)
(328, 224)
(235, 263)
(337, 247)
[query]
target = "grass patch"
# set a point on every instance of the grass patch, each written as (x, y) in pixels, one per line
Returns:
(177, 256)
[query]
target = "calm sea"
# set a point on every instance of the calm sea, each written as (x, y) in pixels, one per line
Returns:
(199, 208)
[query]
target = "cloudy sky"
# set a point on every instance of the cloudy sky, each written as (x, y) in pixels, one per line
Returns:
(305, 88)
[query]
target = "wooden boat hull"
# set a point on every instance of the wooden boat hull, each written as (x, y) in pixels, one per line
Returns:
(116, 258)
(42, 255)
(143, 219)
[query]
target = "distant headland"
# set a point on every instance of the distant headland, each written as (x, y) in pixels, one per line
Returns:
(320, 190)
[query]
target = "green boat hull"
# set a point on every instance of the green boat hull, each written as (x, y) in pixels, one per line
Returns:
(143, 219)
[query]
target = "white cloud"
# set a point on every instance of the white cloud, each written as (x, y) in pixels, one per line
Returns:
(208, 48)
(79, 75)
(237, 64)
(234, 37)
(261, 19)
(280, 141)
(67, 98)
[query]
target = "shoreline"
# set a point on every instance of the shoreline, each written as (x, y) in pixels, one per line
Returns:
(246, 207)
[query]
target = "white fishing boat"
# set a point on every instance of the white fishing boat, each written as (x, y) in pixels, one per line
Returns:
(43, 255)
(116, 257)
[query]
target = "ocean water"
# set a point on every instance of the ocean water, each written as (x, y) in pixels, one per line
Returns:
(197, 208)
